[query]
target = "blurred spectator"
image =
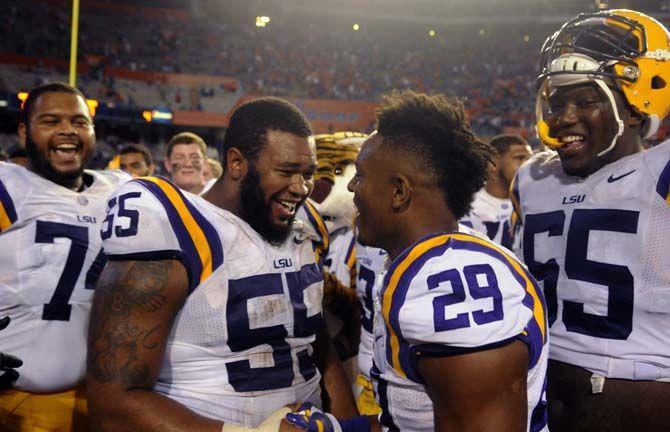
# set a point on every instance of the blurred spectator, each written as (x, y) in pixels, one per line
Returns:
(213, 169)
(185, 161)
(136, 160)
(3, 155)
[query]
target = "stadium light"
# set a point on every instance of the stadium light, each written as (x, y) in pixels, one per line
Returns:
(262, 21)
(356, 27)
(158, 116)
(431, 33)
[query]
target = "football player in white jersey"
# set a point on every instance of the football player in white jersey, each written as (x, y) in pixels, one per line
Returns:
(355, 266)
(50, 216)
(596, 222)
(205, 316)
(459, 326)
(492, 208)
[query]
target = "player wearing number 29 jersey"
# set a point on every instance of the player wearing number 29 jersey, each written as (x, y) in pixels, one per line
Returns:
(240, 346)
(450, 294)
(460, 332)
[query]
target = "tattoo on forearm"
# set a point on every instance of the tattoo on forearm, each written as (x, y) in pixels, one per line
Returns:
(115, 342)
(141, 288)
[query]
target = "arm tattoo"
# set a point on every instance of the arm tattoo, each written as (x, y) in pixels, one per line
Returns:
(117, 337)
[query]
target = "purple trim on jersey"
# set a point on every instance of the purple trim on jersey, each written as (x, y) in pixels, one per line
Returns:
(407, 356)
(540, 415)
(7, 203)
(153, 256)
(350, 249)
(323, 243)
(385, 418)
(190, 253)
(406, 252)
(397, 301)
(476, 247)
(663, 186)
(441, 350)
(213, 238)
(533, 337)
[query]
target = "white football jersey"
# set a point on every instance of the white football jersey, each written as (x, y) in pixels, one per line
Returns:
(601, 248)
(341, 260)
(491, 216)
(51, 260)
(240, 348)
(370, 263)
(450, 294)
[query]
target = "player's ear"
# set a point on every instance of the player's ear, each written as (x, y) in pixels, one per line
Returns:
(236, 164)
(22, 132)
(402, 193)
(493, 167)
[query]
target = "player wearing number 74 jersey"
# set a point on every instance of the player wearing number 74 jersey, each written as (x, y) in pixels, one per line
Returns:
(596, 222)
(50, 216)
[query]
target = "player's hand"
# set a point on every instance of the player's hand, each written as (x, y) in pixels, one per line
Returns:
(310, 418)
(8, 363)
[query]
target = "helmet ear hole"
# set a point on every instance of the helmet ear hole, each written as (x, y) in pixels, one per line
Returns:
(657, 83)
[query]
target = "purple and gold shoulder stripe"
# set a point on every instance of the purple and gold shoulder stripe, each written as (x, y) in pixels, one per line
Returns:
(7, 210)
(200, 244)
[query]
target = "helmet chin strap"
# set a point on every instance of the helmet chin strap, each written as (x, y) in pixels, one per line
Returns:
(617, 117)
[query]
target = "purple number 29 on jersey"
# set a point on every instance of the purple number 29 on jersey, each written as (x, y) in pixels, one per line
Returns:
(474, 276)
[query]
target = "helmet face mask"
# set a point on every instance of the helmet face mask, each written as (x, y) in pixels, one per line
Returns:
(621, 49)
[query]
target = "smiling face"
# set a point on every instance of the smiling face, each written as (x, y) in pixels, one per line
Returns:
(59, 137)
(278, 183)
(582, 119)
(372, 194)
(186, 165)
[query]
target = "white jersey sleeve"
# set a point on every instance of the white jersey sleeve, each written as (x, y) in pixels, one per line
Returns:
(151, 219)
(454, 294)
(341, 259)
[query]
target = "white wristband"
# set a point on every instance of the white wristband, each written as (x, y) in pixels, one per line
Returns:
(270, 424)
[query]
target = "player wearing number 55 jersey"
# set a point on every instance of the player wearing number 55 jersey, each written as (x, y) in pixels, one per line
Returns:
(205, 316)
(50, 217)
(596, 222)
(460, 334)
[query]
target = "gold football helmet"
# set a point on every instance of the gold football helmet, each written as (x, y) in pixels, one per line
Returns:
(621, 48)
